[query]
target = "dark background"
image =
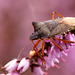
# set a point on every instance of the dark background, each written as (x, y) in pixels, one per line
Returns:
(16, 17)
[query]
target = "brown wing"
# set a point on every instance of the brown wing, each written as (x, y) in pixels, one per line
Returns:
(59, 29)
(52, 24)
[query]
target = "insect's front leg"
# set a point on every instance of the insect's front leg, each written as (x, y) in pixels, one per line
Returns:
(35, 48)
(36, 43)
(43, 44)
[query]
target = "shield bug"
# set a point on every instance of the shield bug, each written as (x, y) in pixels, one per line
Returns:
(49, 29)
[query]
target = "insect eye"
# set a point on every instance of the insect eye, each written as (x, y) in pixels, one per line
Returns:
(33, 23)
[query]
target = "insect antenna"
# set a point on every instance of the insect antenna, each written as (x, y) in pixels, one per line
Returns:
(23, 49)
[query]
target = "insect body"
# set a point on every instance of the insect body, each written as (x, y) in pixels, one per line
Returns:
(49, 29)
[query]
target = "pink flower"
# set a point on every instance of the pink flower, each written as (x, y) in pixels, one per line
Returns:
(54, 52)
(2, 74)
(50, 59)
(23, 65)
(13, 73)
(51, 55)
(38, 71)
(47, 62)
(70, 37)
(12, 65)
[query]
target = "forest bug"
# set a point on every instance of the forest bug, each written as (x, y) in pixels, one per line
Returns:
(49, 29)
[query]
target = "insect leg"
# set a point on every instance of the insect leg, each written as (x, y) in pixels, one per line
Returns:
(66, 41)
(39, 55)
(36, 43)
(53, 15)
(56, 44)
(66, 46)
(43, 44)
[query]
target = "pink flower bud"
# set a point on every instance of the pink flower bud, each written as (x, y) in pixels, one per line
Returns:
(23, 65)
(56, 60)
(13, 73)
(38, 71)
(11, 66)
(2, 74)
(70, 37)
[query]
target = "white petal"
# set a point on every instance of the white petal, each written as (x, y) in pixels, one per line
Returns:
(64, 53)
(23, 65)
(12, 61)
(11, 66)
(26, 66)
(56, 60)
(37, 71)
(52, 63)
(13, 73)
